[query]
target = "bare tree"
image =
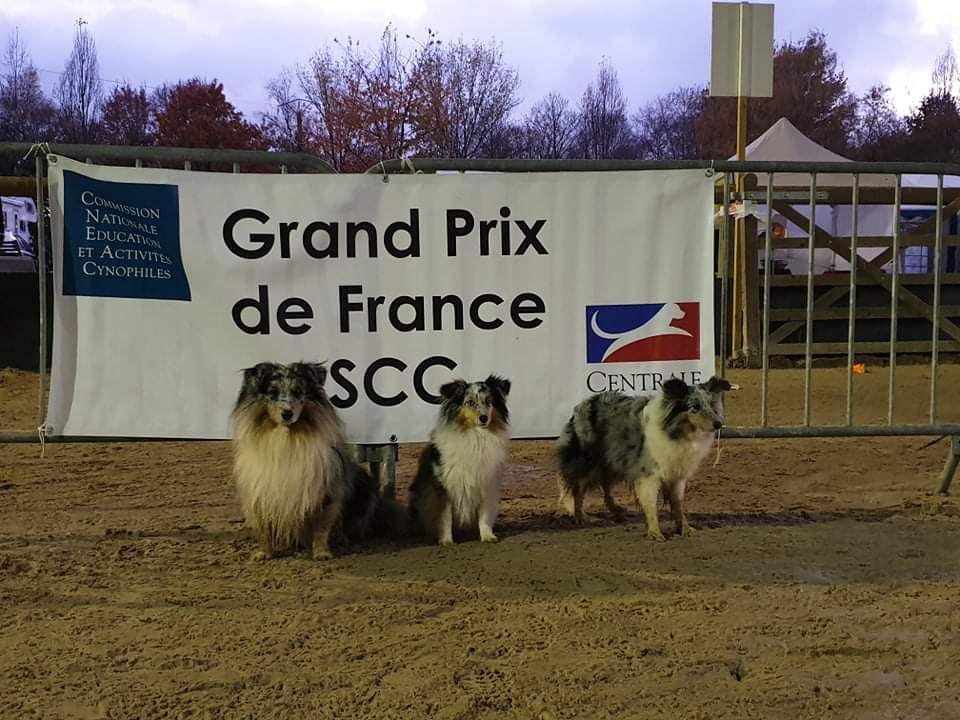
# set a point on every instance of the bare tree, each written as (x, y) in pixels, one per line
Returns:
(946, 75)
(666, 128)
(80, 93)
(388, 78)
(289, 125)
(331, 92)
(466, 94)
(509, 140)
(362, 105)
(603, 130)
(550, 128)
(25, 113)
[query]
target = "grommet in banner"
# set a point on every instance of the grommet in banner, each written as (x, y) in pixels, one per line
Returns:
(709, 172)
(52, 159)
(393, 438)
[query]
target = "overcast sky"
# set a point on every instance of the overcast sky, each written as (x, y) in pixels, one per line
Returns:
(655, 45)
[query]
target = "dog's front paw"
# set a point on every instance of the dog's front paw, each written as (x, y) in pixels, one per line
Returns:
(445, 542)
(322, 554)
(488, 538)
(655, 535)
(687, 531)
(260, 555)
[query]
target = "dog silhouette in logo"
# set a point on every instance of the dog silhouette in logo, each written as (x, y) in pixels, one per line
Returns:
(660, 324)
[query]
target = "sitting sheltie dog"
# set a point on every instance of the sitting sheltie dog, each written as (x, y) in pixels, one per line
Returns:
(458, 478)
(654, 444)
(298, 485)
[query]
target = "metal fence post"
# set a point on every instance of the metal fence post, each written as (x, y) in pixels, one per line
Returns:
(39, 161)
(950, 468)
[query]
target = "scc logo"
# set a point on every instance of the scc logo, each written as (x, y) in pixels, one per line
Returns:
(651, 332)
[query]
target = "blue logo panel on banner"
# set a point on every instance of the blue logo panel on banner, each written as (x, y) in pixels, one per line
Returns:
(122, 240)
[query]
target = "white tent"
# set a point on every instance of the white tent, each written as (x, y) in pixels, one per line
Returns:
(782, 141)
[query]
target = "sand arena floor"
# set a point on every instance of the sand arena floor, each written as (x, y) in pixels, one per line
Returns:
(824, 582)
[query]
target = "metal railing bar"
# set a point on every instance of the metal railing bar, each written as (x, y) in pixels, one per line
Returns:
(894, 305)
(39, 163)
(173, 155)
(808, 342)
(937, 270)
(724, 274)
(767, 272)
(852, 311)
(722, 166)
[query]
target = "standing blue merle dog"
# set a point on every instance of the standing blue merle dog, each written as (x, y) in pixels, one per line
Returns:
(654, 444)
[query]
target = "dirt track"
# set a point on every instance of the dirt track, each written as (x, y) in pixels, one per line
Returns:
(825, 582)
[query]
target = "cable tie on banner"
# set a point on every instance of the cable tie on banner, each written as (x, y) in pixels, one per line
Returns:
(41, 147)
(932, 442)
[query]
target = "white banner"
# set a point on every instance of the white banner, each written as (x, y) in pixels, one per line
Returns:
(168, 283)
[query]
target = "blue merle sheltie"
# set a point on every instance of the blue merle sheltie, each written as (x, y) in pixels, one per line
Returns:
(298, 485)
(653, 444)
(457, 485)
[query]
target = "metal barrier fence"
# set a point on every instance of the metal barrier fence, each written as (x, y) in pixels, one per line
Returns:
(725, 172)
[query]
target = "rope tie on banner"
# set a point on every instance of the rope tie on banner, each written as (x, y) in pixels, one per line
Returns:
(716, 460)
(710, 172)
(41, 147)
(407, 164)
(383, 171)
(42, 434)
(932, 442)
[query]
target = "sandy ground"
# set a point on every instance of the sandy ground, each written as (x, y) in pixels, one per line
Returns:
(824, 582)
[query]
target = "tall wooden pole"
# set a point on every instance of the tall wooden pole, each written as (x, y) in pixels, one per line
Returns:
(739, 265)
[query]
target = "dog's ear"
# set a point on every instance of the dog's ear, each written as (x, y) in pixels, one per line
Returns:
(255, 379)
(454, 390)
(253, 376)
(716, 385)
(315, 372)
(495, 382)
(675, 389)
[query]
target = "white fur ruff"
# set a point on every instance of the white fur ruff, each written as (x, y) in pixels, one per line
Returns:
(472, 467)
(674, 460)
(283, 477)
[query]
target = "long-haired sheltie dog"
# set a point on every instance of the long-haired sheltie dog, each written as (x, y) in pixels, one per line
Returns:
(654, 444)
(298, 486)
(457, 485)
